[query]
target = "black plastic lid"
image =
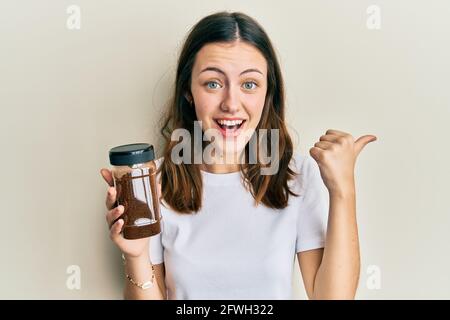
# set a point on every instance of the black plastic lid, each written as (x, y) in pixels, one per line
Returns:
(130, 154)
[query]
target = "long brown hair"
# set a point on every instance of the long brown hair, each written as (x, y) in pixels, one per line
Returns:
(182, 183)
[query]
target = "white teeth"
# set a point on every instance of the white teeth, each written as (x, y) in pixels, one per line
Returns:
(229, 122)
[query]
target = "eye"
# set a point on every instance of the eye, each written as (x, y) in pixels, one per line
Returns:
(212, 85)
(248, 85)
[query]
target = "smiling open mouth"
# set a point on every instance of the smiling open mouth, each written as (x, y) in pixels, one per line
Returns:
(229, 125)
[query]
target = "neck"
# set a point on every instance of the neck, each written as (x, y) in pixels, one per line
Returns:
(220, 168)
(220, 164)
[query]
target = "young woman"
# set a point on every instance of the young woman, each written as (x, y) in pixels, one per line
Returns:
(229, 231)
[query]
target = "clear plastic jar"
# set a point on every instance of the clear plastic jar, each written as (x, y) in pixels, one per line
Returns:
(134, 174)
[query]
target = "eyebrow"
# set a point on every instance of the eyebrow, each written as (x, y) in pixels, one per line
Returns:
(222, 72)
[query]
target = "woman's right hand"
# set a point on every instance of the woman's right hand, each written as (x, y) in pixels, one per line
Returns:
(130, 248)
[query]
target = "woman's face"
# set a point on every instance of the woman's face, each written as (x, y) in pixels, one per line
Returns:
(228, 86)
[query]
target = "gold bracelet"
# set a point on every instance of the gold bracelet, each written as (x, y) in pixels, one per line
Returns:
(145, 285)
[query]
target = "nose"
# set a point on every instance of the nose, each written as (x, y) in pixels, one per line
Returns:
(230, 102)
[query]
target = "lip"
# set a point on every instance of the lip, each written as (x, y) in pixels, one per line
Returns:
(228, 133)
(225, 118)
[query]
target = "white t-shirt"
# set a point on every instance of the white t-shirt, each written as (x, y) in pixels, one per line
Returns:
(231, 249)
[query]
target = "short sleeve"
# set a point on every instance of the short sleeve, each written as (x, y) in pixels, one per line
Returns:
(314, 206)
(156, 251)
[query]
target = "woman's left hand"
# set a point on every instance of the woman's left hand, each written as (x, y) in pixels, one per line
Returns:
(336, 154)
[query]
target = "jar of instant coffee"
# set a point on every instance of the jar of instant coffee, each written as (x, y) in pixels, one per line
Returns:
(134, 173)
